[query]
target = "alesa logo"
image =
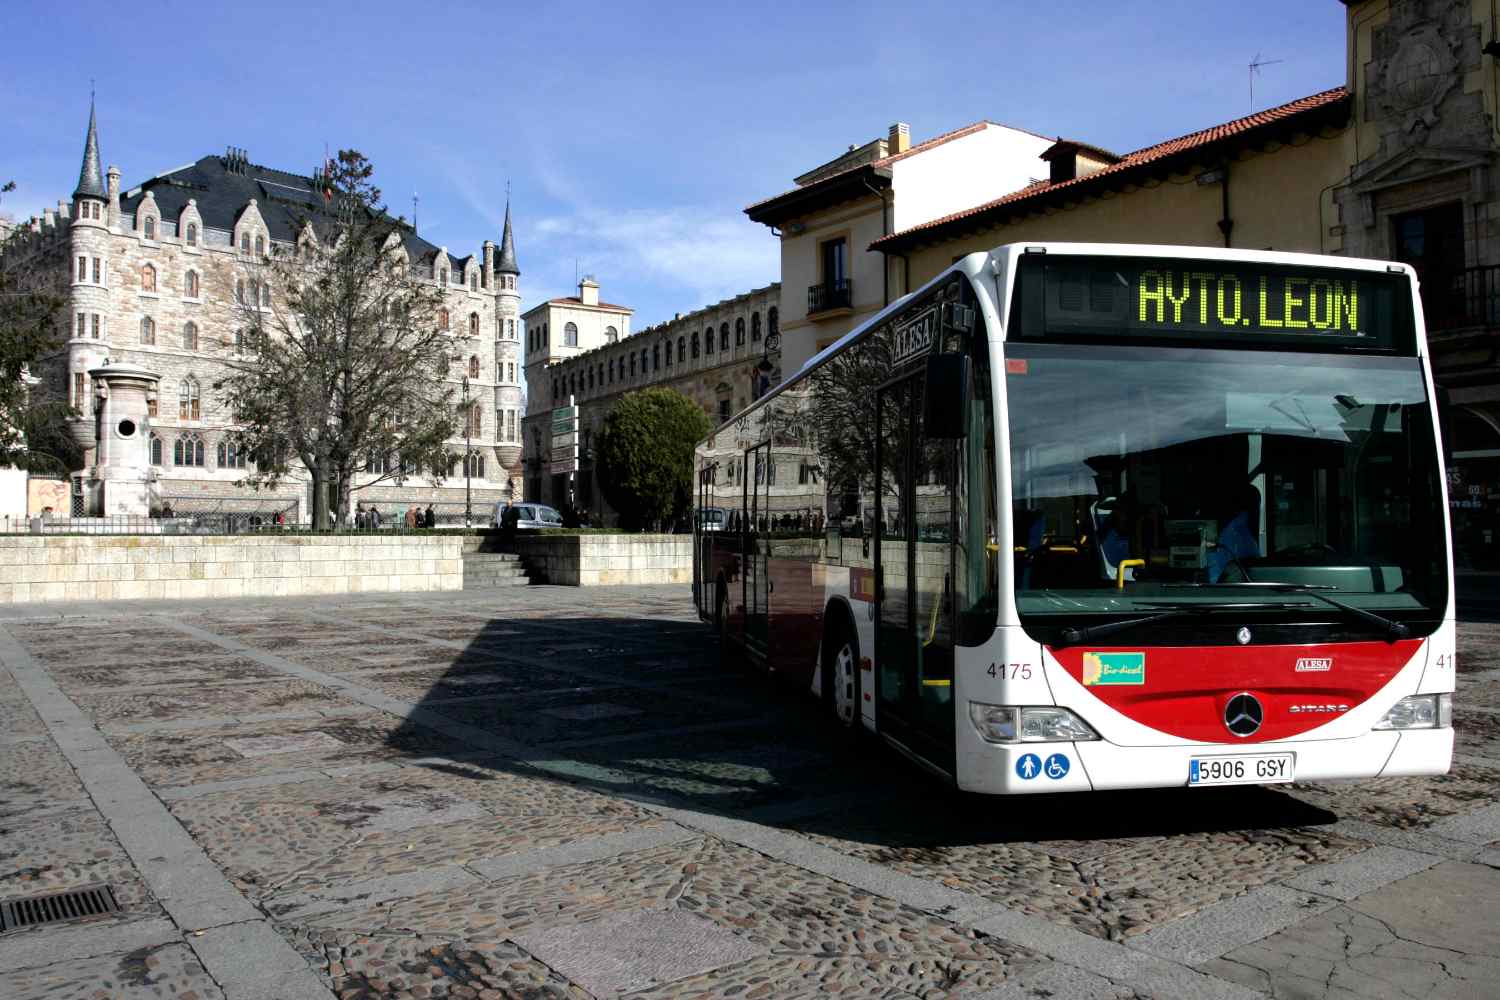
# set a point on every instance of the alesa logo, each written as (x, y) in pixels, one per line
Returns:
(1314, 664)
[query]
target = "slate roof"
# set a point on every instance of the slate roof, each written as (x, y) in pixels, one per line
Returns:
(1328, 107)
(507, 262)
(91, 174)
(284, 200)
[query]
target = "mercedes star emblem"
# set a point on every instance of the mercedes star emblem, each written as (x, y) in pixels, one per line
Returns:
(1243, 715)
(1243, 635)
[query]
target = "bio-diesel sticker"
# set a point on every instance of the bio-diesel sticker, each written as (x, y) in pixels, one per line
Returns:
(1057, 766)
(1029, 766)
(1114, 668)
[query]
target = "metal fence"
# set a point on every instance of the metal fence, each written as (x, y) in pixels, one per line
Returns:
(445, 514)
(177, 515)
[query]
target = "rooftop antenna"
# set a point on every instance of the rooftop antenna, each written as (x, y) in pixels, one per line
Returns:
(1255, 65)
(414, 200)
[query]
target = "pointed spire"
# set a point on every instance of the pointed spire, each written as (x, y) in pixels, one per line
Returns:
(507, 262)
(91, 177)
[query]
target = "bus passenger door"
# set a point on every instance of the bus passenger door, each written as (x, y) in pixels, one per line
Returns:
(757, 551)
(914, 608)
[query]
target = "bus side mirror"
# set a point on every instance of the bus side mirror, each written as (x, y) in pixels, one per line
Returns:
(1445, 411)
(946, 400)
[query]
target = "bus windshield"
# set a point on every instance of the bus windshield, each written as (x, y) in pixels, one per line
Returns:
(1145, 477)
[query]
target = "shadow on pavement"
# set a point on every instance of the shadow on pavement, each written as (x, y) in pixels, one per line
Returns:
(643, 710)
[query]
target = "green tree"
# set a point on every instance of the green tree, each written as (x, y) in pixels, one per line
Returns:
(343, 367)
(644, 456)
(33, 418)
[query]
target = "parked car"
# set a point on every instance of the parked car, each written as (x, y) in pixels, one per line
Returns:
(531, 515)
(712, 518)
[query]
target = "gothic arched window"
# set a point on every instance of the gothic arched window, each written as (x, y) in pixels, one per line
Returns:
(570, 335)
(695, 344)
(149, 227)
(189, 405)
(148, 330)
(188, 450)
(260, 244)
(148, 278)
(190, 336)
(723, 336)
(755, 328)
(739, 332)
(442, 319)
(192, 236)
(708, 341)
(190, 285)
(473, 366)
(155, 450)
(473, 324)
(681, 349)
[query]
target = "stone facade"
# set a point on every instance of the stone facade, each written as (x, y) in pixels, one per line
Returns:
(713, 356)
(597, 560)
(157, 276)
(105, 568)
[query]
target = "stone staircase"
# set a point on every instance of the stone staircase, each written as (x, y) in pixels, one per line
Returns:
(487, 564)
(484, 570)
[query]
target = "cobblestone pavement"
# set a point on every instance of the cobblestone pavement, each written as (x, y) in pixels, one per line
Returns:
(551, 792)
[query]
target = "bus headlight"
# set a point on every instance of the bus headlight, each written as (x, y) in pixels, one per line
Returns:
(1028, 724)
(1420, 711)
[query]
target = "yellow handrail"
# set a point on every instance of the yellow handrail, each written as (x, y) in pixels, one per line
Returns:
(1122, 567)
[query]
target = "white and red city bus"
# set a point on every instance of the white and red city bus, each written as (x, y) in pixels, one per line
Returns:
(1087, 516)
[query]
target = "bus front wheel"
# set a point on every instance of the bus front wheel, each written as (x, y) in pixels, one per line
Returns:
(841, 668)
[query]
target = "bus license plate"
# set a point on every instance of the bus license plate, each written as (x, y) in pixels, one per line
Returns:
(1257, 769)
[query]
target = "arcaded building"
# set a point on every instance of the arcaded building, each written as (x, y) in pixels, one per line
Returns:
(157, 275)
(721, 357)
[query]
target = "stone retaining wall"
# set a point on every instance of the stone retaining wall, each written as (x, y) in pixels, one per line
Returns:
(590, 560)
(123, 567)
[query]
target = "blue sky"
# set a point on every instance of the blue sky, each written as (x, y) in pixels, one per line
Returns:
(632, 135)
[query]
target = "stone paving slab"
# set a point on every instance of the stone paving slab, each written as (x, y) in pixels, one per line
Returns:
(1435, 935)
(33, 776)
(165, 758)
(167, 970)
(290, 838)
(193, 701)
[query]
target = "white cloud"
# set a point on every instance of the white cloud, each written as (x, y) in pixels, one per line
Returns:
(709, 256)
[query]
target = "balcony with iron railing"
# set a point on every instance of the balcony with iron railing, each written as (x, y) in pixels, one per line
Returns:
(1467, 299)
(830, 296)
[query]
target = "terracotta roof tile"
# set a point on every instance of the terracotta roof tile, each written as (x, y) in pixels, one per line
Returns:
(1149, 154)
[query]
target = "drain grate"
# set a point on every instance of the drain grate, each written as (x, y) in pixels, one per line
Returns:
(57, 907)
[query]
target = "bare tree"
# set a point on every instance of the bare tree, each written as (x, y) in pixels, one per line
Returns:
(343, 364)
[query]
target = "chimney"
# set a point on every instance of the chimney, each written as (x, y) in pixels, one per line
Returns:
(114, 195)
(588, 291)
(900, 139)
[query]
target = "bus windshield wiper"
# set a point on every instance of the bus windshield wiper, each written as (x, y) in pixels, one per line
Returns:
(1393, 629)
(1164, 611)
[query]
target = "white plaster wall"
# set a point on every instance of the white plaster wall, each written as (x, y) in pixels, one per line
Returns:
(966, 172)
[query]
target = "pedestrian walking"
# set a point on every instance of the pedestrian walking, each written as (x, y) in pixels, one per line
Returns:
(410, 520)
(361, 519)
(430, 521)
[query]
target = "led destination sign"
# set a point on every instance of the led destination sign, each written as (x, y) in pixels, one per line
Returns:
(1144, 298)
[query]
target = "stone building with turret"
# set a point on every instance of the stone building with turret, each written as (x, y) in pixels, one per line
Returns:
(156, 276)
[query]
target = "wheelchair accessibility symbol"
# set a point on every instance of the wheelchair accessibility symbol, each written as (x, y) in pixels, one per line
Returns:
(1057, 766)
(1029, 766)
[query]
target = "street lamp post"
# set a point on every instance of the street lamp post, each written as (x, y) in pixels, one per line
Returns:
(468, 458)
(772, 343)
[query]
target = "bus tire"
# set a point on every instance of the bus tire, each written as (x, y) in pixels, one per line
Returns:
(842, 684)
(728, 652)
